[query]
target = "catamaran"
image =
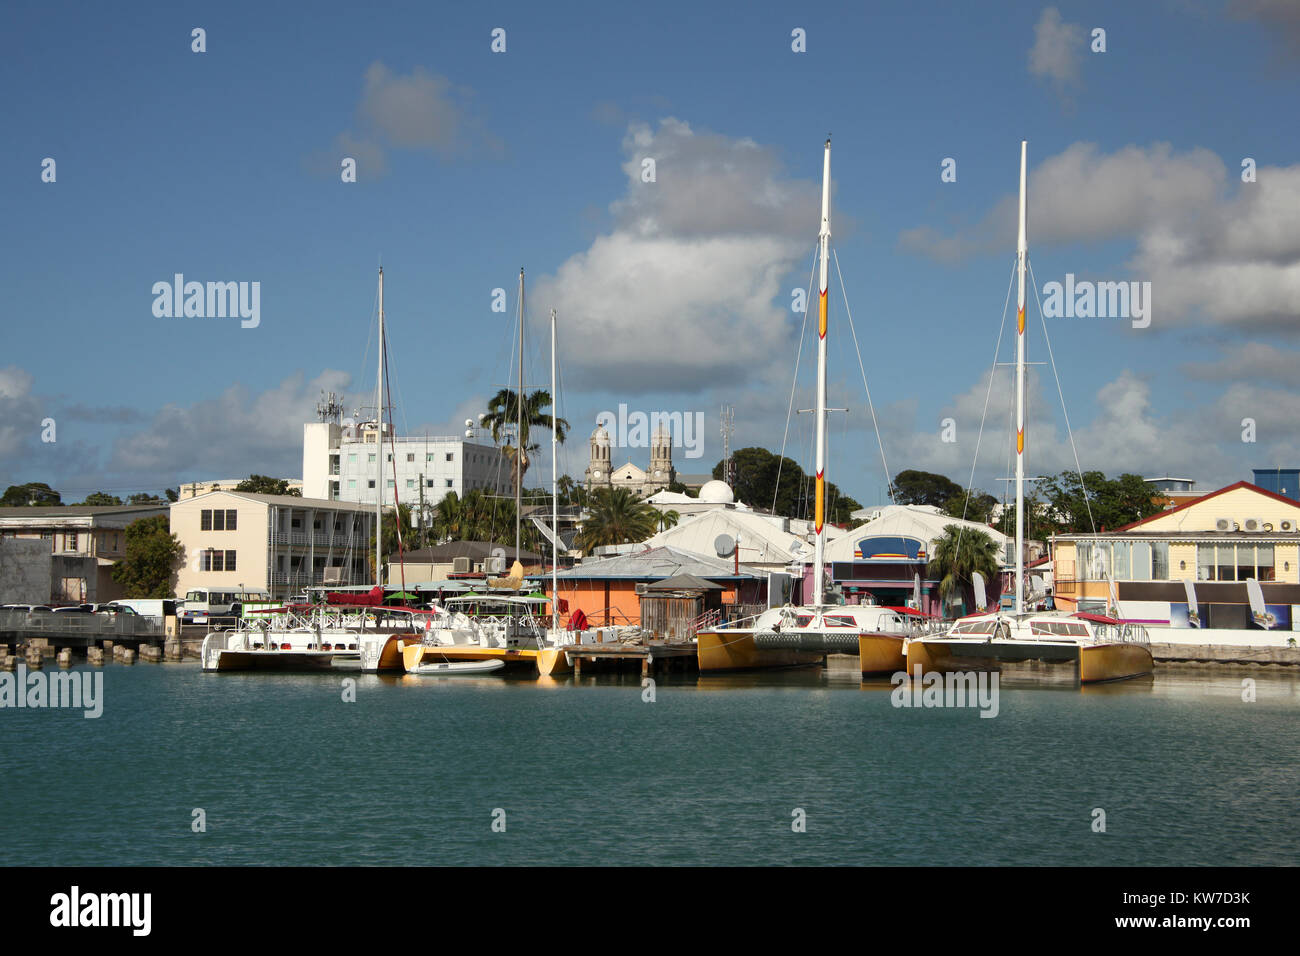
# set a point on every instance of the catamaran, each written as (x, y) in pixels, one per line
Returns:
(792, 636)
(1092, 648)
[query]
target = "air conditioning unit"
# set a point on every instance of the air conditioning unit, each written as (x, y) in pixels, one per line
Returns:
(460, 565)
(1286, 524)
(334, 576)
(643, 587)
(1252, 524)
(1222, 524)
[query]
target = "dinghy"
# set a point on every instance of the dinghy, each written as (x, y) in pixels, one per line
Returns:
(456, 668)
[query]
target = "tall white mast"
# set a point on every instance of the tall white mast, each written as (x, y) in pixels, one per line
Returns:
(519, 404)
(1022, 252)
(819, 516)
(379, 438)
(555, 501)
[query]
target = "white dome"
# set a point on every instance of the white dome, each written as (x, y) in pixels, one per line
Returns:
(600, 436)
(717, 492)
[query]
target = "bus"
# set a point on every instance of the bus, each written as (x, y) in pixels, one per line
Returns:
(203, 604)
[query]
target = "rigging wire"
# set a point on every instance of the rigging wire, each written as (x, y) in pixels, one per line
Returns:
(1068, 431)
(862, 368)
(803, 331)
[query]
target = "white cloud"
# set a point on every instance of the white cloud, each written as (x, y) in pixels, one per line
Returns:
(235, 434)
(416, 111)
(689, 289)
(1210, 253)
(1057, 53)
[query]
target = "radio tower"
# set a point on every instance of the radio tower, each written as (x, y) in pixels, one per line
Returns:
(329, 408)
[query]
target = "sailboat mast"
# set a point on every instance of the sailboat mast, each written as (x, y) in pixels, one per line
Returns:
(519, 404)
(819, 515)
(555, 501)
(379, 437)
(1022, 252)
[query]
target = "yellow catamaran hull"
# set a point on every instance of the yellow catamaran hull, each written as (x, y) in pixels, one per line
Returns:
(881, 654)
(1096, 662)
(736, 651)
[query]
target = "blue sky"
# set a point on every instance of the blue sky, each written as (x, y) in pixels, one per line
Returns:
(672, 295)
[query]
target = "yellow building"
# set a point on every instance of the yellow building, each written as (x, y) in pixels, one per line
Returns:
(1217, 542)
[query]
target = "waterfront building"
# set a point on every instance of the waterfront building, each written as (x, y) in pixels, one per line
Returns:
(609, 590)
(602, 473)
(1216, 542)
(84, 542)
(339, 461)
(240, 541)
(879, 562)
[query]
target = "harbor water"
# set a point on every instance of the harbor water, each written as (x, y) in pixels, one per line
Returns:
(281, 769)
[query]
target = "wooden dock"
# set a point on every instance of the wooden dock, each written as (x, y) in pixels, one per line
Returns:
(649, 657)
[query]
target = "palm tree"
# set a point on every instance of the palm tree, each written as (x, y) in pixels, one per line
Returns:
(616, 516)
(503, 415)
(957, 556)
(667, 519)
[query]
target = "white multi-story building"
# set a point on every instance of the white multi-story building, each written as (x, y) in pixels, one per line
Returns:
(339, 462)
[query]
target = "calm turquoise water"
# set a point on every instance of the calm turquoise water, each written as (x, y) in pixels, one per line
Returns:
(590, 774)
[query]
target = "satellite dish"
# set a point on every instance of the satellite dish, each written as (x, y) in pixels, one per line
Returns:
(469, 433)
(724, 545)
(796, 547)
(469, 423)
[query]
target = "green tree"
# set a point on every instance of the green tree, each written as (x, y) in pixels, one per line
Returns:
(264, 485)
(924, 488)
(1039, 525)
(144, 498)
(957, 556)
(616, 516)
(975, 506)
(502, 417)
(32, 494)
(173, 494)
(762, 477)
(153, 555)
(1097, 502)
(100, 499)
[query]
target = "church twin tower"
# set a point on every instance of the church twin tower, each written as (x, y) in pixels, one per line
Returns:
(602, 474)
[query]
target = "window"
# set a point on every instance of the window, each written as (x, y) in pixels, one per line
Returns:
(371, 457)
(1141, 561)
(451, 456)
(218, 520)
(448, 482)
(205, 519)
(70, 541)
(352, 458)
(388, 457)
(352, 483)
(428, 483)
(1226, 562)
(388, 483)
(370, 483)
(410, 456)
(1205, 566)
(230, 519)
(296, 522)
(428, 457)
(1122, 565)
(1265, 570)
(1160, 561)
(230, 560)
(410, 482)
(214, 560)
